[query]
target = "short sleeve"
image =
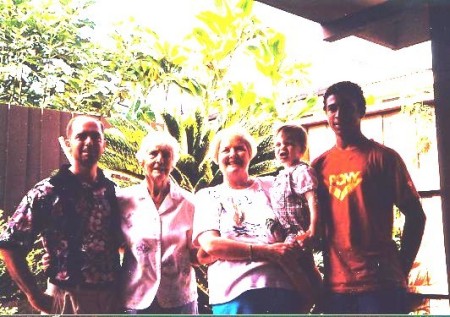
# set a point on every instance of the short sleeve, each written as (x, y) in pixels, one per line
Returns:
(19, 230)
(207, 213)
(304, 179)
(405, 191)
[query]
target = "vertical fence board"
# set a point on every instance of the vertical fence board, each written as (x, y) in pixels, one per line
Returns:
(16, 157)
(50, 146)
(64, 120)
(29, 149)
(3, 133)
(34, 147)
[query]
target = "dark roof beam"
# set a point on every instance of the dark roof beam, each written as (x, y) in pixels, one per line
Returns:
(357, 22)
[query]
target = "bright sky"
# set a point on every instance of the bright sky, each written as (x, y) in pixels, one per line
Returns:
(348, 59)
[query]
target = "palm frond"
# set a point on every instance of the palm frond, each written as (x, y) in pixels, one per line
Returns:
(173, 125)
(263, 168)
(182, 180)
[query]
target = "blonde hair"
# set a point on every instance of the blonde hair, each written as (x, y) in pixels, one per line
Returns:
(297, 132)
(228, 133)
(158, 138)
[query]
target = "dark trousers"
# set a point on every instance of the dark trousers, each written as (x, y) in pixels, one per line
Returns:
(392, 301)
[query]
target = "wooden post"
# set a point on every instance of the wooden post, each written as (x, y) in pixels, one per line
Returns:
(439, 17)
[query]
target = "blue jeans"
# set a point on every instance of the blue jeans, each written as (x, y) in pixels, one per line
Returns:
(187, 309)
(261, 301)
(393, 301)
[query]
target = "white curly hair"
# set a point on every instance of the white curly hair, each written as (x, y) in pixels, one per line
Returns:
(158, 138)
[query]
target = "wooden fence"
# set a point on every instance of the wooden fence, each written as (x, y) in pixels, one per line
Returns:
(29, 149)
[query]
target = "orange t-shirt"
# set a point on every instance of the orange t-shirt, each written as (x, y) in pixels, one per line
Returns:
(358, 188)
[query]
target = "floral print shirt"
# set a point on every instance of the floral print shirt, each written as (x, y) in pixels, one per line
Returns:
(79, 226)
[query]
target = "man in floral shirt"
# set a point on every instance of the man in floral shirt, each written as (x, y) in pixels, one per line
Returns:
(75, 212)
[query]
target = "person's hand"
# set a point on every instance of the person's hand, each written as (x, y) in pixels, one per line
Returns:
(306, 239)
(42, 302)
(204, 258)
(280, 252)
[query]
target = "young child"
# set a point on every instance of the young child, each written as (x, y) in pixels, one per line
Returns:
(293, 198)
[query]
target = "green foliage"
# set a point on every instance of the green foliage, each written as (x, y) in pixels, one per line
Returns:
(423, 117)
(193, 170)
(7, 310)
(231, 31)
(141, 113)
(123, 142)
(146, 64)
(397, 231)
(48, 59)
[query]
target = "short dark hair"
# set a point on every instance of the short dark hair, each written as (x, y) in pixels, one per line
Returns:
(78, 117)
(349, 89)
(297, 131)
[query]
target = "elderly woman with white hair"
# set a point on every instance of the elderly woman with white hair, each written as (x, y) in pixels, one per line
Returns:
(246, 274)
(157, 218)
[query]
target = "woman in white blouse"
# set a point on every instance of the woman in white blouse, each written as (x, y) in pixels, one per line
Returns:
(157, 218)
(230, 224)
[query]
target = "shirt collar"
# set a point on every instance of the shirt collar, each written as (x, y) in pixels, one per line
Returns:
(175, 191)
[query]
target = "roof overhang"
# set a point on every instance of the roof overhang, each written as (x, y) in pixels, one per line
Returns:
(392, 23)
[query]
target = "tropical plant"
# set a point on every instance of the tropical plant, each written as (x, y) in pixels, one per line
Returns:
(150, 69)
(423, 117)
(48, 59)
(193, 170)
(229, 32)
(218, 42)
(123, 142)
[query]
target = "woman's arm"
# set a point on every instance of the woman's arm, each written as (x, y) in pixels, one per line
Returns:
(227, 249)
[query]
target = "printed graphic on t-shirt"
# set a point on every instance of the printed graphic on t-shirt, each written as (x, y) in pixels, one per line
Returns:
(340, 185)
(243, 216)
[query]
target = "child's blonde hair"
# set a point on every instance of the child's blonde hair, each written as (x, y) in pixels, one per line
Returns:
(297, 132)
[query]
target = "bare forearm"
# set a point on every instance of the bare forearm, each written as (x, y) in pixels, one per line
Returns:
(412, 236)
(18, 270)
(232, 250)
(227, 249)
(311, 197)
